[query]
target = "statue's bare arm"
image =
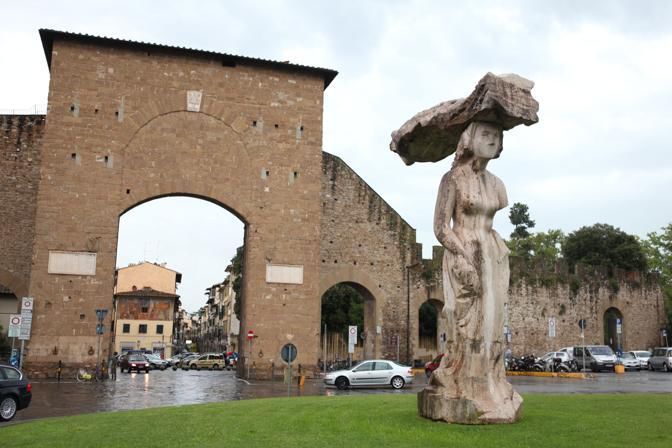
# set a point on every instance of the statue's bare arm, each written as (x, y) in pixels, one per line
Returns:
(443, 214)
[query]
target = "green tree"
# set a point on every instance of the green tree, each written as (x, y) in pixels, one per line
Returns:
(658, 250)
(520, 217)
(342, 306)
(237, 272)
(602, 244)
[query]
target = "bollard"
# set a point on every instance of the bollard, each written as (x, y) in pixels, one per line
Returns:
(58, 371)
(273, 371)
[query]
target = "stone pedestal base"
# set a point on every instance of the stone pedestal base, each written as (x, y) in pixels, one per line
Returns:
(437, 405)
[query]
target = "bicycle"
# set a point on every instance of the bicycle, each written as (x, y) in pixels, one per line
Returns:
(83, 376)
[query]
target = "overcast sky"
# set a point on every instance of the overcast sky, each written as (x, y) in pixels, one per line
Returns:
(601, 151)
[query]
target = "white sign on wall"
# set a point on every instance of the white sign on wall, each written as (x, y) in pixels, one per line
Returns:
(284, 273)
(72, 263)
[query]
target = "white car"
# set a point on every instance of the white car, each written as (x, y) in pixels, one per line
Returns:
(564, 356)
(629, 361)
(372, 372)
(643, 357)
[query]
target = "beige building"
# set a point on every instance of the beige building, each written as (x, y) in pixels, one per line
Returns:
(145, 306)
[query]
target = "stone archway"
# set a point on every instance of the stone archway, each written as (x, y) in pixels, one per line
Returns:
(243, 134)
(612, 319)
(365, 287)
(431, 328)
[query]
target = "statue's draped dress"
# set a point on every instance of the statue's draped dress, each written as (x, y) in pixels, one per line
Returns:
(473, 369)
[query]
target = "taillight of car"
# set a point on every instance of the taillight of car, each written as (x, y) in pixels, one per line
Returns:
(29, 388)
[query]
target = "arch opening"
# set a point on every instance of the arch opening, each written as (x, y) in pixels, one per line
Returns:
(613, 328)
(431, 335)
(343, 305)
(178, 276)
(9, 304)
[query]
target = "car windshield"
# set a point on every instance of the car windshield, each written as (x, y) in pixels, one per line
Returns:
(136, 358)
(600, 351)
(643, 354)
(628, 356)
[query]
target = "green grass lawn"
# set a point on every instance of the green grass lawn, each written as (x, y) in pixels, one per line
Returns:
(379, 421)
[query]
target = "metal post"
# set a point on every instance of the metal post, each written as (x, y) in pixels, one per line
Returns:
(324, 354)
(583, 351)
(249, 357)
(408, 314)
(98, 376)
(397, 338)
(21, 355)
(289, 375)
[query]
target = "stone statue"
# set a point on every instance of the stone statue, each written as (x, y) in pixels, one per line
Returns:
(470, 385)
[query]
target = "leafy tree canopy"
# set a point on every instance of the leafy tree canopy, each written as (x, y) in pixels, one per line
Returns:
(519, 216)
(546, 246)
(342, 306)
(602, 244)
(658, 250)
(237, 272)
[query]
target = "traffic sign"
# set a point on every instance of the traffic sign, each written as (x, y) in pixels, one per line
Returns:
(250, 335)
(100, 314)
(352, 334)
(26, 324)
(14, 329)
(288, 353)
(27, 303)
(619, 328)
(551, 327)
(582, 324)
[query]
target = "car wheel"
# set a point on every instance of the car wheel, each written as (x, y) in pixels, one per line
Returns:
(174, 367)
(193, 367)
(650, 367)
(215, 367)
(146, 371)
(342, 383)
(428, 373)
(665, 368)
(7, 409)
(397, 382)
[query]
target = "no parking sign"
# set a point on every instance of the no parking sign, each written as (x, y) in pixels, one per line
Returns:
(14, 326)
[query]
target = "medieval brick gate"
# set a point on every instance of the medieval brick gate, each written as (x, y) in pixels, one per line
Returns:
(130, 122)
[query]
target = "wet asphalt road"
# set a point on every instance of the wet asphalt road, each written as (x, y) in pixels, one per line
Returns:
(172, 388)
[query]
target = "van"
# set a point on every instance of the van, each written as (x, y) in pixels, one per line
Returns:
(661, 358)
(595, 357)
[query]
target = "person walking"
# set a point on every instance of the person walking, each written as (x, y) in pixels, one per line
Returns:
(112, 367)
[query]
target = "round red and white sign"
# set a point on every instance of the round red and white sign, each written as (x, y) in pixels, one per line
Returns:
(250, 334)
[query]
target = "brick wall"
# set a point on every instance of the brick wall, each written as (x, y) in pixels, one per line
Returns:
(20, 156)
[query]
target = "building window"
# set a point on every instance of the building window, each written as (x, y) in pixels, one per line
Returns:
(143, 328)
(159, 329)
(127, 328)
(145, 309)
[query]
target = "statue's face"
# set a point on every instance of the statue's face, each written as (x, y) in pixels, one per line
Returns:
(487, 140)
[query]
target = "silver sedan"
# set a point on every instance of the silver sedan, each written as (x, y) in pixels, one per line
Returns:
(373, 372)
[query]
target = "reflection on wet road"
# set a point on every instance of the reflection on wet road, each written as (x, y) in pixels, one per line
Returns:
(171, 388)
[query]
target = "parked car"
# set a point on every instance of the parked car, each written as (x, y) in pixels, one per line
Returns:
(595, 357)
(15, 392)
(373, 372)
(630, 361)
(661, 358)
(184, 361)
(155, 362)
(643, 357)
(564, 356)
(432, 365)
(212, 361)
(135, 361)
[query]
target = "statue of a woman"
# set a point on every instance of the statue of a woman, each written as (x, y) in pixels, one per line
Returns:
(470, 385)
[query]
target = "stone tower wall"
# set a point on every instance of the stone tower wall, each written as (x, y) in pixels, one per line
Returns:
(20, 156)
